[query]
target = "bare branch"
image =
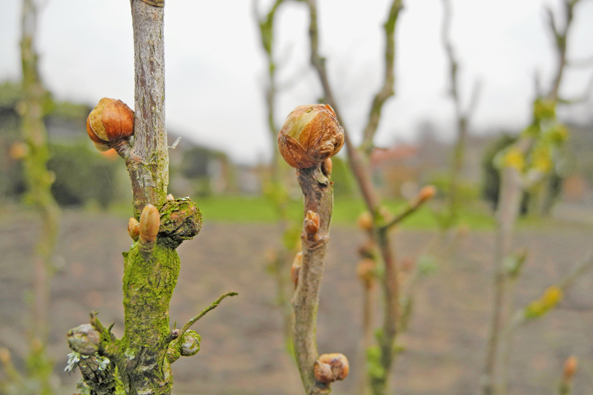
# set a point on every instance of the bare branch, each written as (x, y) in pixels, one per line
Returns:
(317, 192)
(474, 99)
(386, 90)
(413, 205)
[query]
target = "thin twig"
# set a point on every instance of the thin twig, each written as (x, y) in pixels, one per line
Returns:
(318, 199)
(412, 206)
(387, 89)
(205, 311)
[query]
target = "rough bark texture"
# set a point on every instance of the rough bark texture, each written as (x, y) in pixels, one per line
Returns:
(318, 194)
(39, 181)
(148, 163)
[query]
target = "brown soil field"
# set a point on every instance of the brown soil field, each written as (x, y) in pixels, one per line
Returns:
(242, 345)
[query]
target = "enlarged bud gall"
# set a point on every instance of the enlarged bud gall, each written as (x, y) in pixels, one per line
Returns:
(310, 135)
(331, 367)
(110, 121)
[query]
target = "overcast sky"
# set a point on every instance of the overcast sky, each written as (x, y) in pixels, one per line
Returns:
(215, 67)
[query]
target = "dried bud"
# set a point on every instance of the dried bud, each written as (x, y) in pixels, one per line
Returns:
(295, 269)
(365, 221)
(426, 193)
(84, 339)
(570, 367)
(338, 368)
(150, 221)
(311, 224)
(190, 343)
(110, 121)
(366, 271)
(134, 229)
(310, 134)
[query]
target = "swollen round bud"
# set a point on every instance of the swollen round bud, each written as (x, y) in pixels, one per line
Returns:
(310, 135)
(150, 221)
(84, 339)
(331, 367)
(110, 121)
(190, 343)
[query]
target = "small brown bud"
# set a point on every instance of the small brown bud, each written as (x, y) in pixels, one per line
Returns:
(110, 121)
(170, 197)
(134, 228)
(150, 221)
(570, 367)
(338, 364)
(426, 193)
(295, 269)
(311, 224)
(365, 221)
(310, 134)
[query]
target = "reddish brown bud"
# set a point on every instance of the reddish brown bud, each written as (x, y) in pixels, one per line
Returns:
(311, 224)
(110, 121)
(134, 229)
(570, 367)
(310, 134)
(295, 269)
(337, 364)
(150, 221)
